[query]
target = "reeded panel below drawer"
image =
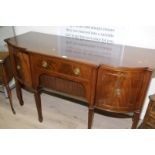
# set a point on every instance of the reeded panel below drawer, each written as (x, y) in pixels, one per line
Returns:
(68, 87)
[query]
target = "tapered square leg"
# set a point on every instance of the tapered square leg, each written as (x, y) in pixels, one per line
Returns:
(90, 117)
(135, 119)
(19, 93)
(38, 105)
(10, 98)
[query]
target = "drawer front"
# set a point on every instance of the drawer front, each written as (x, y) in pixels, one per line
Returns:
(63, 67)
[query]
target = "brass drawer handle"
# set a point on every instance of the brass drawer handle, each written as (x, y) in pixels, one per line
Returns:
(18, 67)
(44, 64)
(76, 71)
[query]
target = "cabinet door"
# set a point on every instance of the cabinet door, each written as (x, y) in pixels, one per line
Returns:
(21, 66)
(119, 89)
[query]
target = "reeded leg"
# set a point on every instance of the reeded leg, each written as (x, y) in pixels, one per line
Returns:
(10, 98)
(135, 119)
(90, 117)
(19, 93)
(38, 105)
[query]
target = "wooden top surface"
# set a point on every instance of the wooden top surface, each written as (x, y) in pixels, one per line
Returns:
(3, 56)
(84, 50)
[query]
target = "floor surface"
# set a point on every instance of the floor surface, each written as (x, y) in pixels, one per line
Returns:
(58, 114)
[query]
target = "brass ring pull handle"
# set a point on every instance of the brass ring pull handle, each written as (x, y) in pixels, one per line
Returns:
(118, 92)
(44, 64)
(18, 67)
(76, 71)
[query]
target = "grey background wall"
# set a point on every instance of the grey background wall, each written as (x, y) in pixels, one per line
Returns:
(5, 32)
(140, 36)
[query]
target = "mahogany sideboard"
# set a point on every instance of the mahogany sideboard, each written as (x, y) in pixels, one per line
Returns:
(106, 76)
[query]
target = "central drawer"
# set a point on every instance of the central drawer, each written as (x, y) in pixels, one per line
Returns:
(65, 67)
